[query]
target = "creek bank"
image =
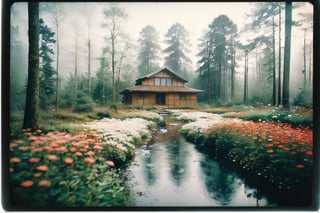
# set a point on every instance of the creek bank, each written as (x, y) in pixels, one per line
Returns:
(280, 167)
(121, 137)
(169, 171)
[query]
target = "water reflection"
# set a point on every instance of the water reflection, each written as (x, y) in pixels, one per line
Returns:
(148, 165)
(171, 172)
(177, 159)
(220, 185)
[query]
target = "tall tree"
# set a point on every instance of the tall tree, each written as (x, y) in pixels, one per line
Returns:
(265, 16)
(221, 35)
(89, 56)
(32, 96)
(58, 16)
(47, 72)
(113, 18)
(287, 50)
(149, 49)
(177, 49)
(76, 31)
(245, 88)
(279, 60)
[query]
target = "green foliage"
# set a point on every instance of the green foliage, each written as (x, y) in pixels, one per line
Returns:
(304, 98)
(149, 49)
(177, 46)
(68, 177)
(83, 103)
(260, 150)
(297, 117)
(47, 72)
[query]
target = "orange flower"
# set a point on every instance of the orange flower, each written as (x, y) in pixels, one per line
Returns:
(110, 163)
(269, 145)
(294, 152)
(42, 168)
(15, 160)
(38, 131)
(286, 149)
(37, 174)
(98, 147)
(68, 161)
(299, 166)
(51, 157)
(73, 149)
(90, 153)
(270, 151)
(89, 161)
(11, 170)
(24, 148)
(310, 153)
(36, 150)
(34, 160)
(44, 183)
(26, 130)
(79, 154)
(27, 183)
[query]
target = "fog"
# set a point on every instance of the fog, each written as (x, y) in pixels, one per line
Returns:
(195, 17)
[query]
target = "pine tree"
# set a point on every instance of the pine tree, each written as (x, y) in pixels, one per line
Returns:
(47, 72)
(149, 49)
(177, 40)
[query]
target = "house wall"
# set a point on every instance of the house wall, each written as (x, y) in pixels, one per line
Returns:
(162, 74)
(172, 99)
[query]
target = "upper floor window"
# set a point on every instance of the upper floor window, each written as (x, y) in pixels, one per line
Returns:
(162, 82)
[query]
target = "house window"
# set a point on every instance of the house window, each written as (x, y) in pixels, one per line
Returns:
(183, 96)
(162, 82)
(141, 95)
(157, 81)
(169, 82)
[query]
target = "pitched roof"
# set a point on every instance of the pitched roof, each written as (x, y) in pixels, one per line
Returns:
(162, 69)
(160, 89)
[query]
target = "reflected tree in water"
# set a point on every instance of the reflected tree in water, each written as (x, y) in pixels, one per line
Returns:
(220, 185)
(148, 164)
(177, 159)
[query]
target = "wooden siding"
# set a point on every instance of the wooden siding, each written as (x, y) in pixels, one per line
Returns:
(172, 99)
(162, 74)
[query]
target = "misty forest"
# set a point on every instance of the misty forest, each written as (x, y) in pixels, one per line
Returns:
(80, 135)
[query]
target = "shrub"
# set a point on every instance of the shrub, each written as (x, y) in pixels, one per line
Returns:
(83, 103)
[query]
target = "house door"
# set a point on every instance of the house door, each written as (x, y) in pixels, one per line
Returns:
(161, 99)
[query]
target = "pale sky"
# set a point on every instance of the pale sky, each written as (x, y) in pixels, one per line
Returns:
(195, 17)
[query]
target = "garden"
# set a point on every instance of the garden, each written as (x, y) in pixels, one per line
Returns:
(80, 159)
(274, 155)
(58, 169)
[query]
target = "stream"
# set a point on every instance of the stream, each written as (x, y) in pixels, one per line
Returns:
(169, 171)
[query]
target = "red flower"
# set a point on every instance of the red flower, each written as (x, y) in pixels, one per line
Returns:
(299, 166)
(310, 153)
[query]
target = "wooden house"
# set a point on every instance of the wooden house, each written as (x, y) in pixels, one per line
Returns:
(163, 87)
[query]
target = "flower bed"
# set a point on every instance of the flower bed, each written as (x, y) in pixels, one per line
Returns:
(120, 137)
(270, 152)
(62, 170)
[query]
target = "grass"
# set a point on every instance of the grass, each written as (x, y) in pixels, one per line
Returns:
(297, 117)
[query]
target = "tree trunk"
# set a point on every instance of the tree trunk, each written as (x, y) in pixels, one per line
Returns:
(304, 61)
(32, 96)
(274, 93)
(287, 50)
(76, 68)
(57, 67)
(245, 92)
(209, 77)
(279, 68)
(89, 67)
